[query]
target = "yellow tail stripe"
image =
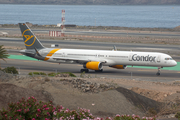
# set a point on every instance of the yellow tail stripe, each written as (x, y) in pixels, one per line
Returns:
(50, 54)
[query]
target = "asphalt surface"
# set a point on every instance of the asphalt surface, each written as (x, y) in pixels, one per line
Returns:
(92, 45)
(92, 32)
(26, 66)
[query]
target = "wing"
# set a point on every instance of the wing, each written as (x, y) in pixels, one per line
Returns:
(79, 60)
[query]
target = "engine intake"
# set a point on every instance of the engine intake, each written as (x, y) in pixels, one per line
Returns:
(119, 66)
(93, 65)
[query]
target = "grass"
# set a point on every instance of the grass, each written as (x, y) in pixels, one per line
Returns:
(51, 74)
(37, 73)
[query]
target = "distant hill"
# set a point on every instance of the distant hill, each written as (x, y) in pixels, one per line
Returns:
(93, 2)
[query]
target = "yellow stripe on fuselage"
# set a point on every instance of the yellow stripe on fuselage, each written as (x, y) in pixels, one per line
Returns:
(50, 54)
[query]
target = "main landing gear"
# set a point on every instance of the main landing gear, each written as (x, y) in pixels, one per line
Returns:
(159, 71)
(87, 70)
(99, 70)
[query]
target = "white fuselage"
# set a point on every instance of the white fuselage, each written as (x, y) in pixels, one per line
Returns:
(92, 59)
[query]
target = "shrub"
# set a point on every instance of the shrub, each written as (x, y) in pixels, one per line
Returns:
(31, 110)
(37, 73)
(52, 74)
(10, 70)
(177, 115)
(28, 109)
(82, 74)
(42, 73)
(70, 74)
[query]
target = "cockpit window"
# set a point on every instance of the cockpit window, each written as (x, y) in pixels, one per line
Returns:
(168, 59)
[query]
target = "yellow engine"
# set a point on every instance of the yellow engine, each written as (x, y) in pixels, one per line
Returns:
(94, 65)
(119, 66)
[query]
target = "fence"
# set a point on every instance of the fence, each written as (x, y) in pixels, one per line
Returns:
(55, 33)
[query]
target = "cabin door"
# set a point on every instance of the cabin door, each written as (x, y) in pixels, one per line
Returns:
(130, 56)
(63, 54)
(159, 58)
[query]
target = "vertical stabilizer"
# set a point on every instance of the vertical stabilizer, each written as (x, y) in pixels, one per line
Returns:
(30, 40)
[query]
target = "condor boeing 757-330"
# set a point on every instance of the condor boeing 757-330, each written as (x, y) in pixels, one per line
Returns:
(92, 59)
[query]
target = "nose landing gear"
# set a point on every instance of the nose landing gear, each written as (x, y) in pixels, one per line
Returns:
(159, 71)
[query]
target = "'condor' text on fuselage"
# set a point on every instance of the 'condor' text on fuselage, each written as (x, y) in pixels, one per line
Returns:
(147, 58)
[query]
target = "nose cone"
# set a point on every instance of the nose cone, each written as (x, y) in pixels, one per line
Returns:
(174, 63)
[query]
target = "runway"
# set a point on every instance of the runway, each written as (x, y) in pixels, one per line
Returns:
(26, 66)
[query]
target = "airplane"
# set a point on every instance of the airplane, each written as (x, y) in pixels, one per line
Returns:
(92, 59)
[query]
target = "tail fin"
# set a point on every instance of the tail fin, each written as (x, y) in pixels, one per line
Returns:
(30, 40)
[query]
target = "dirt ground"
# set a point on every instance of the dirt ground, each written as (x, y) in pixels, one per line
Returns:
(143, 98)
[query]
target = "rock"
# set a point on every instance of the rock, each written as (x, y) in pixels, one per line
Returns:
(95, 91)
(74, 86)
(171, 116)
(87, 89)
(86, 86)
(62, 75)
(89, 83)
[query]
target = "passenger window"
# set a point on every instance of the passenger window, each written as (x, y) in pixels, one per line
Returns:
(168, 59)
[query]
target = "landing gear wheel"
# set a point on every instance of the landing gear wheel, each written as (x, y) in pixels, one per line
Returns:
(157, 74)
(87, 70)
(84, 70)
(99, 70)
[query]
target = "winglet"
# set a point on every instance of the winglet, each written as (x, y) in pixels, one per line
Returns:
(114, 49)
